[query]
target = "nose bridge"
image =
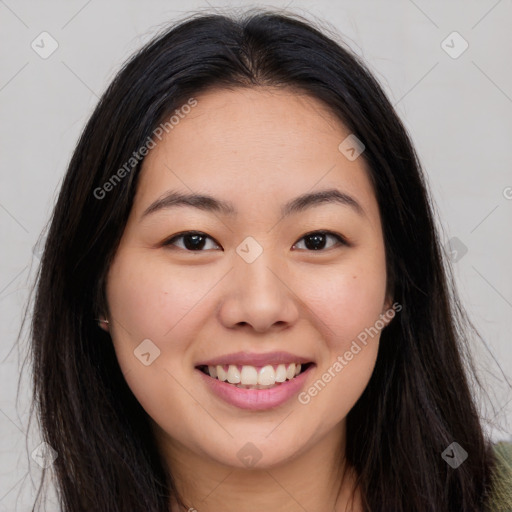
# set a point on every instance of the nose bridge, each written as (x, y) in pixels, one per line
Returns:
(256, 271)
(258, 279)
(258, 294)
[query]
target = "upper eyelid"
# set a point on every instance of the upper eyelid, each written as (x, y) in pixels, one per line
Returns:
(340, 238)
(185, 233)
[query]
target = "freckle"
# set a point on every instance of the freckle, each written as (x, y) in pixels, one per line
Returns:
(353, 277)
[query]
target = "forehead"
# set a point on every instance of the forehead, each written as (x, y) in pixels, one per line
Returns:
(254, 146)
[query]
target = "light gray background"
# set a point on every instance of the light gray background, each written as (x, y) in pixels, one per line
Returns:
(458, 112)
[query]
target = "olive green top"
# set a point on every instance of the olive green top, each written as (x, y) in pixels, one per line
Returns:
(501, 495)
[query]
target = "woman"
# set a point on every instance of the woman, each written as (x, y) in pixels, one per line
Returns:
(243, 303)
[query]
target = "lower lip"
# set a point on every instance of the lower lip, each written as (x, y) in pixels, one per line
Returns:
(257, 399)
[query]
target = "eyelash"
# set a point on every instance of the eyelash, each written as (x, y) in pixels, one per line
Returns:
(341, 240)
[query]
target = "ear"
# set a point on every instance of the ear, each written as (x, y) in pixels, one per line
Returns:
(103, 324)
(387, 304)
(388, 312)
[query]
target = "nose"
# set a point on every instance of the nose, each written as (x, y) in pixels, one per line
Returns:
(259, 297)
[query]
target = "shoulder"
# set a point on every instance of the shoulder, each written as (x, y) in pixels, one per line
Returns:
(501, 495)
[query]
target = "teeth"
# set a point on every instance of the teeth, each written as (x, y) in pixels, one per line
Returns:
(233, 374)
(250, 377)
(221, 373)
(281, 373)
(267, 376)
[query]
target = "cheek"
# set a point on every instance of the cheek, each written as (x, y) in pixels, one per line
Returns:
(147, 302)
(347, 312)
(351, 301)
(148, 299)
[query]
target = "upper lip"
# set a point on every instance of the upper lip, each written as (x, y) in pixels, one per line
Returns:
(254, 359)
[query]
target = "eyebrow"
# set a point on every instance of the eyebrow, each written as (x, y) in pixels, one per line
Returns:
(210, 204)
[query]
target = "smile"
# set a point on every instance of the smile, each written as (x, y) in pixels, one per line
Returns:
(255, 382)
(254, 377)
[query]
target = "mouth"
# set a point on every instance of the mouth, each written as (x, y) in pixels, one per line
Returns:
(255, 377)
(254, 380)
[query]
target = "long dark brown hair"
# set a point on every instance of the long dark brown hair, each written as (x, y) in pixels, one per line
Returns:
(418, 400)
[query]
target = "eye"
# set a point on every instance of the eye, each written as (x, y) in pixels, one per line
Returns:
(193, 240)
(316, 240)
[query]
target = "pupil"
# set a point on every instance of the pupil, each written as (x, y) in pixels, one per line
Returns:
(319, 239)
(197, 241)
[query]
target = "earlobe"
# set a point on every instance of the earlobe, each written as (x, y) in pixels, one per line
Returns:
(104, 324)
(388, 312)
(388, 305)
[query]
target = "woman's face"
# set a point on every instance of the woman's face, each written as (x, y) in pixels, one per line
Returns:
(252, 284)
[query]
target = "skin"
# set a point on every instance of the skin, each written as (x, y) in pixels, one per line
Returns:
(257, 148)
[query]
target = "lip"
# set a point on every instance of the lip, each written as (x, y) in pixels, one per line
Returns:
(256, 399)
(255, 359)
